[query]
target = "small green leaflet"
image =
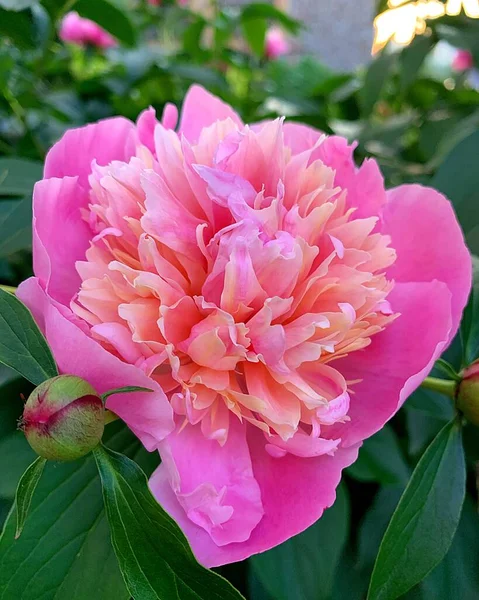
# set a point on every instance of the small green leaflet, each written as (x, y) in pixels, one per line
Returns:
(154, 556)
(425, 521)
(25, 490)
(22, 346)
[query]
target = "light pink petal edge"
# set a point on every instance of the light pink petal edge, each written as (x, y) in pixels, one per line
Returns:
(104, 141)
(60, 235)
(201, 109)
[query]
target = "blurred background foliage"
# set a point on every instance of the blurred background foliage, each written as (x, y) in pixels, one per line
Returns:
(408, 109)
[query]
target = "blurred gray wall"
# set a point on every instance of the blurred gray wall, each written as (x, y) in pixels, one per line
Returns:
(339, 32)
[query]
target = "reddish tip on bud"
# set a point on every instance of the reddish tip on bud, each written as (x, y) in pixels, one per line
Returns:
(63, 418)
(468, 394)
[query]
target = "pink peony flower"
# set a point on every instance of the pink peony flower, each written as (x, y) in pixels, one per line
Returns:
(76, 30)
(280, 303)
(276, 43)
(463, 61)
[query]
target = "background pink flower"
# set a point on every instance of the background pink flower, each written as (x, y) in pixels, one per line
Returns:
(276, 43)
(463, 61)
(278, 300)
(80, 31)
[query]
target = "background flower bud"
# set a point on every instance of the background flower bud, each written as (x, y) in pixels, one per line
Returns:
(468, 394)
(63, 418)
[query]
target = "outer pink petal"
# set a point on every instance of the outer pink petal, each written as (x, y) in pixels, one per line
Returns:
(147, 123)
(294, 491)
(429, 243)
(201, 109)
(147, 414)
(107, 140)
(398, 359)
(60, 235)
(212, 482)
(300, 137)
(365, 186)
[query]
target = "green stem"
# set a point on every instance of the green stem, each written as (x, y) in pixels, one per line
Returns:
(443, 386)
(110, 417)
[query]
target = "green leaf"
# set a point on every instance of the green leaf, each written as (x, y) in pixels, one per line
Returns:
(18, 27)
(350, 583)
(22, 346)
(25, 490)
(457, 576)
(18, 176)
(381, 459)
(192, 36)
(15, 457)
(431, 403)
(12, 389)
(125, 390)
(153, 554)
(376, 76)
(65, 551)
(110, 17)
(374, 524)
(425, 520)
(304, 567)
(412, 59)
(15, 225)
(5, 507)
(262, 10)
(254, 31)
(470, 321)
(447, 369)
(421, 429)
(458, 179)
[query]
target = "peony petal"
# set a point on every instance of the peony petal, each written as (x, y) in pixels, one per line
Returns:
(147, 414)
(145, 128)
(300, 137)
(60, 235)
(107, 140)
(201, 109)
(429, 243)
(294, 492)
(365, 186)
(214, 484)
(397, 360)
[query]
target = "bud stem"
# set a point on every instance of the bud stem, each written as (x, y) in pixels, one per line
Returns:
(443, 386)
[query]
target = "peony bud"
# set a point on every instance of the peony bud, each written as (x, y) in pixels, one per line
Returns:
(468, 394)
(276, 43)
(463, 61)
(63, 418)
